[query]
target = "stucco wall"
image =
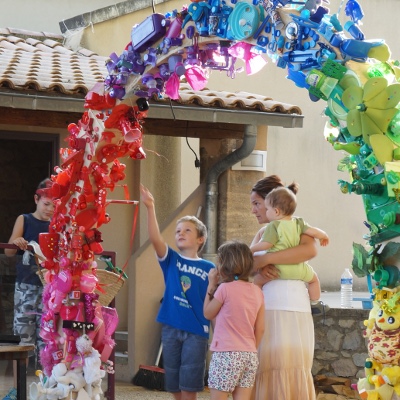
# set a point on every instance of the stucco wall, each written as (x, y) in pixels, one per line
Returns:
(45, 15)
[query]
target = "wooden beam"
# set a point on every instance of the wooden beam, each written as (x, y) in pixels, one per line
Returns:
(50, 119)
(193, 129)
(161, 127)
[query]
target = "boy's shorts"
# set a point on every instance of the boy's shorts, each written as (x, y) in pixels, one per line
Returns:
(27, 313)
(184, 360)
(231, 369)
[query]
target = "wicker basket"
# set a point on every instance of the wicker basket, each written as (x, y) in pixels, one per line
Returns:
(110, 282)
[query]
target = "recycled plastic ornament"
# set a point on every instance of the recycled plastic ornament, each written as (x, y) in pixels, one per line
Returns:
(371, 108)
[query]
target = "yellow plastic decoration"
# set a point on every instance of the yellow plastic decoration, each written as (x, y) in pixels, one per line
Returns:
(393, 374)
(383, 148)
(386, 392)
(371, 109)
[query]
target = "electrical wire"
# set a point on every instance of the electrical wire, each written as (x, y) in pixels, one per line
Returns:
(196, 161)
(172, 109)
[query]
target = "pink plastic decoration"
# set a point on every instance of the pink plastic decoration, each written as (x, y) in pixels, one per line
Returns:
(68, 312)
(89, 300)
(254, 62)
(88, 283)
(63, 281)
(56, 299)
(196, 78)
(110, 325)
(172, 86)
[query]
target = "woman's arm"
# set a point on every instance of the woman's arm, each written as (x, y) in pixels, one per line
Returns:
(306, 250)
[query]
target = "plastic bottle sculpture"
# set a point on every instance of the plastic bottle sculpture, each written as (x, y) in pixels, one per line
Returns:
(324, 53)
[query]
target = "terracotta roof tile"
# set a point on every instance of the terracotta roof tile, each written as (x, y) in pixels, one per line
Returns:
(39, 61)
(26, 33)
(14, 39)
(8, 45)
(232, 100)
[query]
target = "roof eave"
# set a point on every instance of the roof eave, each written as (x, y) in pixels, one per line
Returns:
(214, 115)
(41, 102)
(160, 111)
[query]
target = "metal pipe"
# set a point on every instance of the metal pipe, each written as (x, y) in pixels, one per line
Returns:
(211, 203)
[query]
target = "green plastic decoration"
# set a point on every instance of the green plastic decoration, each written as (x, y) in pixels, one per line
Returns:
(371, 109)
(361, 260)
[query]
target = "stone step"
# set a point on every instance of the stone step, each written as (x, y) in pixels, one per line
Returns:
(121, 367)
(122, 372)
(121, 358)
(121, 341)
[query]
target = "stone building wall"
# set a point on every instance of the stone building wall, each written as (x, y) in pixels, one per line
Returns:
(340, 348)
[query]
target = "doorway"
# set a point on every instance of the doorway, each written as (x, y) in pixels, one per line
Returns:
(25, 160)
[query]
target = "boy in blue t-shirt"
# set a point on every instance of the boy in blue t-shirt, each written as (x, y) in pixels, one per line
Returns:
(185, 330)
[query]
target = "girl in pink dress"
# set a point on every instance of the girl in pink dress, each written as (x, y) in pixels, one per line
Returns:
(237, 306)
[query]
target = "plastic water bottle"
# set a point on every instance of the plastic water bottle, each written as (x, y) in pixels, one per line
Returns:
(346, 289)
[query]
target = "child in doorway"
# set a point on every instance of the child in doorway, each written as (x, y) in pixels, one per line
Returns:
(238, 308)
(28, 287)
(282, 232)
(185, 330)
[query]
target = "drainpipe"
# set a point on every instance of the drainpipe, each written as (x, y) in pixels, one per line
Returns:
(211, 206)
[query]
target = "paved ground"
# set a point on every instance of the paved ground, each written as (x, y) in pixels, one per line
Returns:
(126, 391)
(123, 390)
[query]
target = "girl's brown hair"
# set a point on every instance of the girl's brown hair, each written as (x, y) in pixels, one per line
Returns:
(235, 261)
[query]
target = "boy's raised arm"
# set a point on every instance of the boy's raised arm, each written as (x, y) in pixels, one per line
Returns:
(155, 237)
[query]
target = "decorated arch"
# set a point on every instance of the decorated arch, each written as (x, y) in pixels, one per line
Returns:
(324, 52)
